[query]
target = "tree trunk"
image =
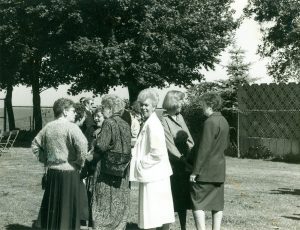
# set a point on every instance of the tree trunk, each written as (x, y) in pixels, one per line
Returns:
(9, 108)
(36, 100)
(133, 90)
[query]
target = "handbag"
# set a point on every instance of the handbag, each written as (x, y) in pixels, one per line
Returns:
(115, 163)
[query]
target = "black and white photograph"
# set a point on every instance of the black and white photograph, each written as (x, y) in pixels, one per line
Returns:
(149, 115)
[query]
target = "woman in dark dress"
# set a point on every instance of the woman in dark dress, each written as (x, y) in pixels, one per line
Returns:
(208, 175)
(179, 143)
(111, 194)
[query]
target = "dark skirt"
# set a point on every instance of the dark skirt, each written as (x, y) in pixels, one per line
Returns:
(64, 202)
(207, 196)
(180, 191)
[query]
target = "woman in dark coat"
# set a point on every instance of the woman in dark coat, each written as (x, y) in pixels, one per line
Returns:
(208, 176)
(110, 198)
(179, 143)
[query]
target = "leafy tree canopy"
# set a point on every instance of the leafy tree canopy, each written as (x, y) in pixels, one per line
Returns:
(281, 35)
(146, 43)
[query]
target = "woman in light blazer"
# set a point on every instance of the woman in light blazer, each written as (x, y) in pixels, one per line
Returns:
(150, 167)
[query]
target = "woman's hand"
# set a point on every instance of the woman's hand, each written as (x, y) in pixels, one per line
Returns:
(193, 178)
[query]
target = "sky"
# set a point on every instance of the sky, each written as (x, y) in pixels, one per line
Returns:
(248, 37)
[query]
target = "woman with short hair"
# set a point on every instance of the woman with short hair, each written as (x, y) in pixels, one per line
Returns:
(208, 175)
(61, 147)
(150, 167)
(179, 143)
(111, 193)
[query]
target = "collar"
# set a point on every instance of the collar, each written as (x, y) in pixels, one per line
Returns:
(216, 114)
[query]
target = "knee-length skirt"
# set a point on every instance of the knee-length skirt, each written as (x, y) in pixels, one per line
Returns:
(207, 196)
(155, 204)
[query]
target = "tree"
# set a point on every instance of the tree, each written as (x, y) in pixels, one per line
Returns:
(38, 28)
(281, 36)
(10, 58)
(146, 43)
(238, 73)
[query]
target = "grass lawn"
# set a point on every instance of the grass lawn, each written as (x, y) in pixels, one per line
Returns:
(258, 194)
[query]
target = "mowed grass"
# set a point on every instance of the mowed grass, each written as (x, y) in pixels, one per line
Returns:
(258, 194)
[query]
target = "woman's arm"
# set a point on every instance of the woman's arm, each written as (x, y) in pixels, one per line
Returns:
(37, 148)
(105, 138)
(156, 151)
(172, 149)
(80, 144)
(205, 147)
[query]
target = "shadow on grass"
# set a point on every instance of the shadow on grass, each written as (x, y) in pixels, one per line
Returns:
(17, 227)
(292, 217)
(286, 191)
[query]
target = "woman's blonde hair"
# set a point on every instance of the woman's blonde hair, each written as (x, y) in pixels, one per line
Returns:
(149, 94)
(113, 102)
(171, 100)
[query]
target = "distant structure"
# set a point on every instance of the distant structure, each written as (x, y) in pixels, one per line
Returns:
(269, 116)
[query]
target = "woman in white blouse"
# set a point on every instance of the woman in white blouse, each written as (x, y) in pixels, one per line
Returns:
(150, 167)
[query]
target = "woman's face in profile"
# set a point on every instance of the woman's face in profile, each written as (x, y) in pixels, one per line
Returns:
(180, 104)
(69, 114)
(99, 118)
(147, 108)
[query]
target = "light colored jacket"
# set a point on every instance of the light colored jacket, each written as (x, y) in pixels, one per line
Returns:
(150, 161)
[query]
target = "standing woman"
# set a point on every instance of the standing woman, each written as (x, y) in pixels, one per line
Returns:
(61, 146)
(111, 193)
(150, 167)
(179, 143)
(208, 176)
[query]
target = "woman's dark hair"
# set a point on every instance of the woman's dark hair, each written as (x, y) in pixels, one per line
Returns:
(80, 111)
(211, 99)
(60, 105)
(135, 108)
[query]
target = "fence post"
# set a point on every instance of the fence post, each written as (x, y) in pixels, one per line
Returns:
(4, 116)
(238, 135)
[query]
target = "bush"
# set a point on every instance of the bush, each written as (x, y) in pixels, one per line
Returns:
(258, 152)
(288, 158)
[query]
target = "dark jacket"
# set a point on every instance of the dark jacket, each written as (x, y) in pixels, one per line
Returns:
(114, 136)
(209, 165)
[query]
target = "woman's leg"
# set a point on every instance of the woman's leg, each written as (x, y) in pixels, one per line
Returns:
(199, 217)
(182, 219)
(216, 219)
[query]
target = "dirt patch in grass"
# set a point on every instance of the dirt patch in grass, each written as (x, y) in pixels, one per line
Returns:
(260, 195)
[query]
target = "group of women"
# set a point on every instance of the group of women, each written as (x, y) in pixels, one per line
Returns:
(170, 176)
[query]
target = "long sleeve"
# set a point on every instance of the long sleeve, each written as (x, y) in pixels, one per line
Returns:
(205, 147)
(155, 154)
(37, 148)
(80, 144)
(172, 149)
(104, 139)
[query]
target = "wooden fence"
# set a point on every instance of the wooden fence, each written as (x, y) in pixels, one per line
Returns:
(269, 116)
